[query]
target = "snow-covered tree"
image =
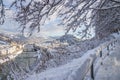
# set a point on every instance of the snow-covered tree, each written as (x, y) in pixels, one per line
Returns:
(103, 15)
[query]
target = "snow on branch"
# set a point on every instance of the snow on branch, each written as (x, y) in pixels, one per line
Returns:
(116, 1)
(106, 7)
(32, 14)
(2, 12)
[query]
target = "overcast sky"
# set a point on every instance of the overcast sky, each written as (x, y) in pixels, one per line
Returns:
(49, 29)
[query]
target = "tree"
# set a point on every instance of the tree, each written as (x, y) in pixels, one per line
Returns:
(103, 15)
(2, 12)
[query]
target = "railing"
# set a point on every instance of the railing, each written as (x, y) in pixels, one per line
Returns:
(93, 59)
(101, 53)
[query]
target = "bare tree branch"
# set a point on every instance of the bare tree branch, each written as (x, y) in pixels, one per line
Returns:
(2, 12)
(116, 1)
(32, 14)
(106, 7)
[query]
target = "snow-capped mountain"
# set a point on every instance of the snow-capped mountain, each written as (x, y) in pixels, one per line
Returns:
(70, 39)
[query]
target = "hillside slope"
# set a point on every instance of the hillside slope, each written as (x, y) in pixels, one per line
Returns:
(77, 69)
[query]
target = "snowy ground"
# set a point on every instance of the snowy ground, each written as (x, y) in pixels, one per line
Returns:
(64, 62)
(73, 71)
(69, 71)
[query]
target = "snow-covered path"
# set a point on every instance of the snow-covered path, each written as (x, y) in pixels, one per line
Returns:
(70, 71)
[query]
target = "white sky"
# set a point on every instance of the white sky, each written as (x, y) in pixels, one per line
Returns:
(50, 29)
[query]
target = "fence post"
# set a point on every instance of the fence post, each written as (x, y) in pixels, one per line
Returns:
(101, 56)
(108, 50)
(92, 71)
(100, 53)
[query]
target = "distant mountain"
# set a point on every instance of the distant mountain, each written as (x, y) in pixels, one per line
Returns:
(54, 37)
(68, 38)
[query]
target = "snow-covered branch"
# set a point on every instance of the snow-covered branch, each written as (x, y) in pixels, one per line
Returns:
(104, 8)
(32, 14)
(2, 12)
